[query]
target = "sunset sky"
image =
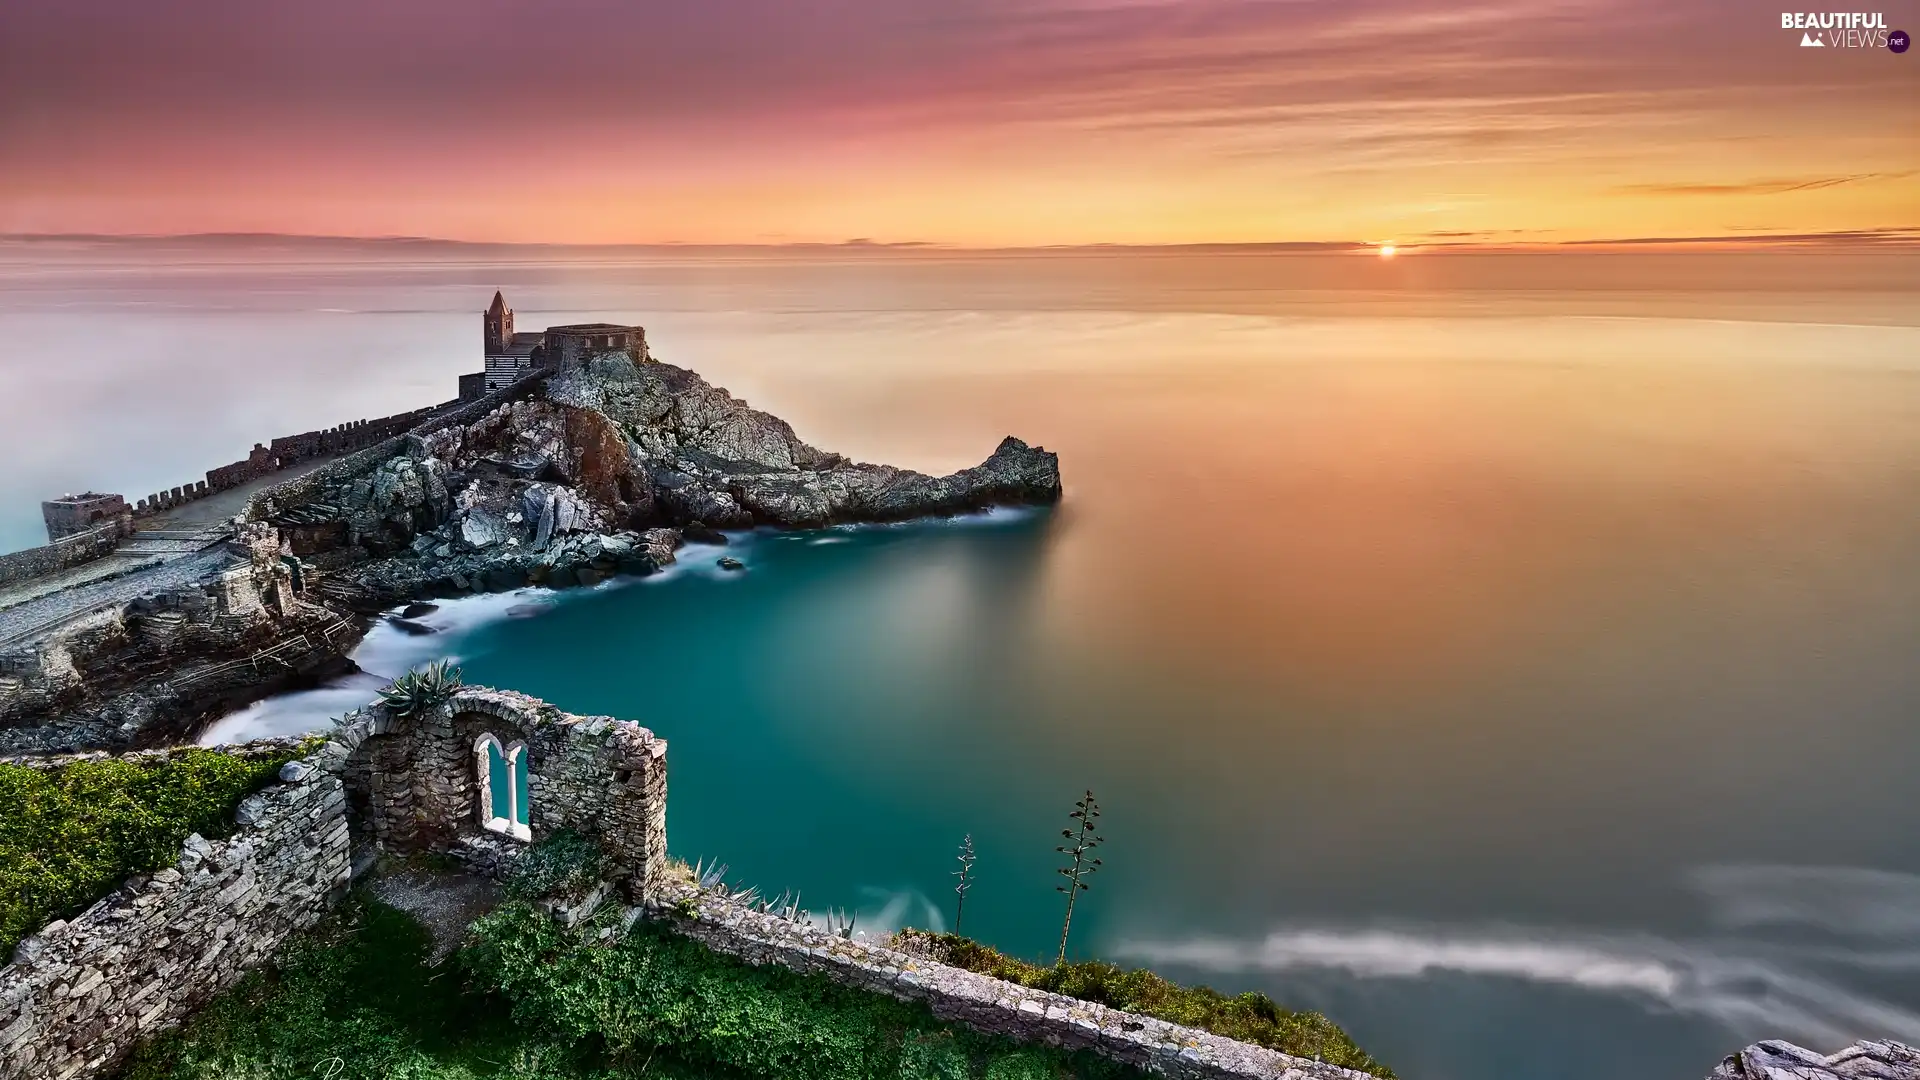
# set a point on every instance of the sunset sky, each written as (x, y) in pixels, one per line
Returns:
(967, 122)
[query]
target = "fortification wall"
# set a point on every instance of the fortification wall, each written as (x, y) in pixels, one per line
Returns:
(288, 451)
(79, 994)
(983, 1003)
(62, 554)
(303, 489)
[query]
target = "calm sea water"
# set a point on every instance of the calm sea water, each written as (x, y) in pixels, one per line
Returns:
(1523, 676)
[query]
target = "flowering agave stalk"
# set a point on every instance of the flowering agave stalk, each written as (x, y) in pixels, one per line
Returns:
(421, 689)
(1083, 841)
(965, 874)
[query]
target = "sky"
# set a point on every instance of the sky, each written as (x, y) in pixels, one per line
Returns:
(967, 122)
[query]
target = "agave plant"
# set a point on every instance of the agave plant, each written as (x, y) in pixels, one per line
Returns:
(709, 875)
(421, 689)
(840, 923)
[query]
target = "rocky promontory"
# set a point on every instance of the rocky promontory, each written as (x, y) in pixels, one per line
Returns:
(602, 472)
(1774, 1060)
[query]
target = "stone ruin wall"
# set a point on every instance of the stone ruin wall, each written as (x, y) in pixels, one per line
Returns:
(79, 994)
(985, 1004)
(414, 784)
(63, 554)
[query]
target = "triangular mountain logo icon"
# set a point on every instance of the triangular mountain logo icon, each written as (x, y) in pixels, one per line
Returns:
(1808, 41)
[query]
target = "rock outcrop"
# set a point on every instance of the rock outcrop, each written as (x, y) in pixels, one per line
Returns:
(599, 477)
(713, 459)
(1773, 1060)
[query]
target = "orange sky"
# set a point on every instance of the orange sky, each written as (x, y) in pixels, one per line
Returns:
(971, 122)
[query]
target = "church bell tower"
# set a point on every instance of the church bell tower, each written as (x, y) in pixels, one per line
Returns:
(497, 322)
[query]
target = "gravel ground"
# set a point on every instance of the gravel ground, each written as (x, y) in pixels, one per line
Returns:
(445, 903)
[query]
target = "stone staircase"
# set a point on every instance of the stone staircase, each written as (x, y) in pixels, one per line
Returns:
(162, 627)
(166, 542)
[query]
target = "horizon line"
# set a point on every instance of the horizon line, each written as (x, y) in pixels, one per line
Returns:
(1895, 237)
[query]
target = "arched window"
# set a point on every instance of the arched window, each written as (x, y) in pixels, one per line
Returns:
(501, 775)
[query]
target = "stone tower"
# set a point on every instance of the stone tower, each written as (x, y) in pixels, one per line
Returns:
(497, 321)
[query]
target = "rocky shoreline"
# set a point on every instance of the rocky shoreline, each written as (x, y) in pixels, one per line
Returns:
(608, 473)
(564, 479)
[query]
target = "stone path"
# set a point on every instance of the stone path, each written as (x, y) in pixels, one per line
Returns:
(41, 614)
(170, 549)
(221, 507)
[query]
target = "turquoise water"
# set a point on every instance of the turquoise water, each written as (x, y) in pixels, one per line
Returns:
(1520, 671)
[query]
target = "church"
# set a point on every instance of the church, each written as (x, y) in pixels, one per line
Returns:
(511, 356)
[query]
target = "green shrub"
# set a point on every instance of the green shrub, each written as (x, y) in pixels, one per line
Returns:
(69, 836)
(654, 991)
(1249, 1017)
(357, 1000)
(559, 863)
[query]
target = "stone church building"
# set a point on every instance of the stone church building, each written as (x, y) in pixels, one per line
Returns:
(511, 355)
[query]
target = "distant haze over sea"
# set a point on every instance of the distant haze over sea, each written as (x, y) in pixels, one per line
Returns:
(1508, 654)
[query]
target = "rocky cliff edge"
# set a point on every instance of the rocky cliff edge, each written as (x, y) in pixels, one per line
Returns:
(604, 474)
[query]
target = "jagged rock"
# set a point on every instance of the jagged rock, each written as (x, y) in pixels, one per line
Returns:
(1774, 1060)
(481, 527)
(697, 532)
(719, 462)
(639, 445)
(728, 562)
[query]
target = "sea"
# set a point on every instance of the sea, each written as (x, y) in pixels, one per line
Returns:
(1514, 656)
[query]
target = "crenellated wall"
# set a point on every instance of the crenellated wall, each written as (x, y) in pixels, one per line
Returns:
(279, 498)
(285, 452)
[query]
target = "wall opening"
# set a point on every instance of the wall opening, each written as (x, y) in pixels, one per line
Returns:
(501, 777)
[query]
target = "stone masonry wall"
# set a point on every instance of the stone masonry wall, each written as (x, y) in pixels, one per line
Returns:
(985, 1004)
(66, 552)
(413, 780)
(78, 995)
(304, 489)
(287, 451)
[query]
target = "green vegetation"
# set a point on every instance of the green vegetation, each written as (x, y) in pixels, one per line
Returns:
(422, 689)
(529, 1000)
(1249, 1017)
(71, 835)
(357, 1000)
(655, 991)
(558, 864)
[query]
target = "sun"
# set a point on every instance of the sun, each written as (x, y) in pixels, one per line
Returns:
(1387, 250)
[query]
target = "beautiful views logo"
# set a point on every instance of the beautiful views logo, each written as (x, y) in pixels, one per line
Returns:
(1843, 30)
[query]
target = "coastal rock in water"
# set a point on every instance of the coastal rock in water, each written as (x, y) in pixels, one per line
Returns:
(1774, 1060)
(624, 448)
(717, 461)
(728, 562)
